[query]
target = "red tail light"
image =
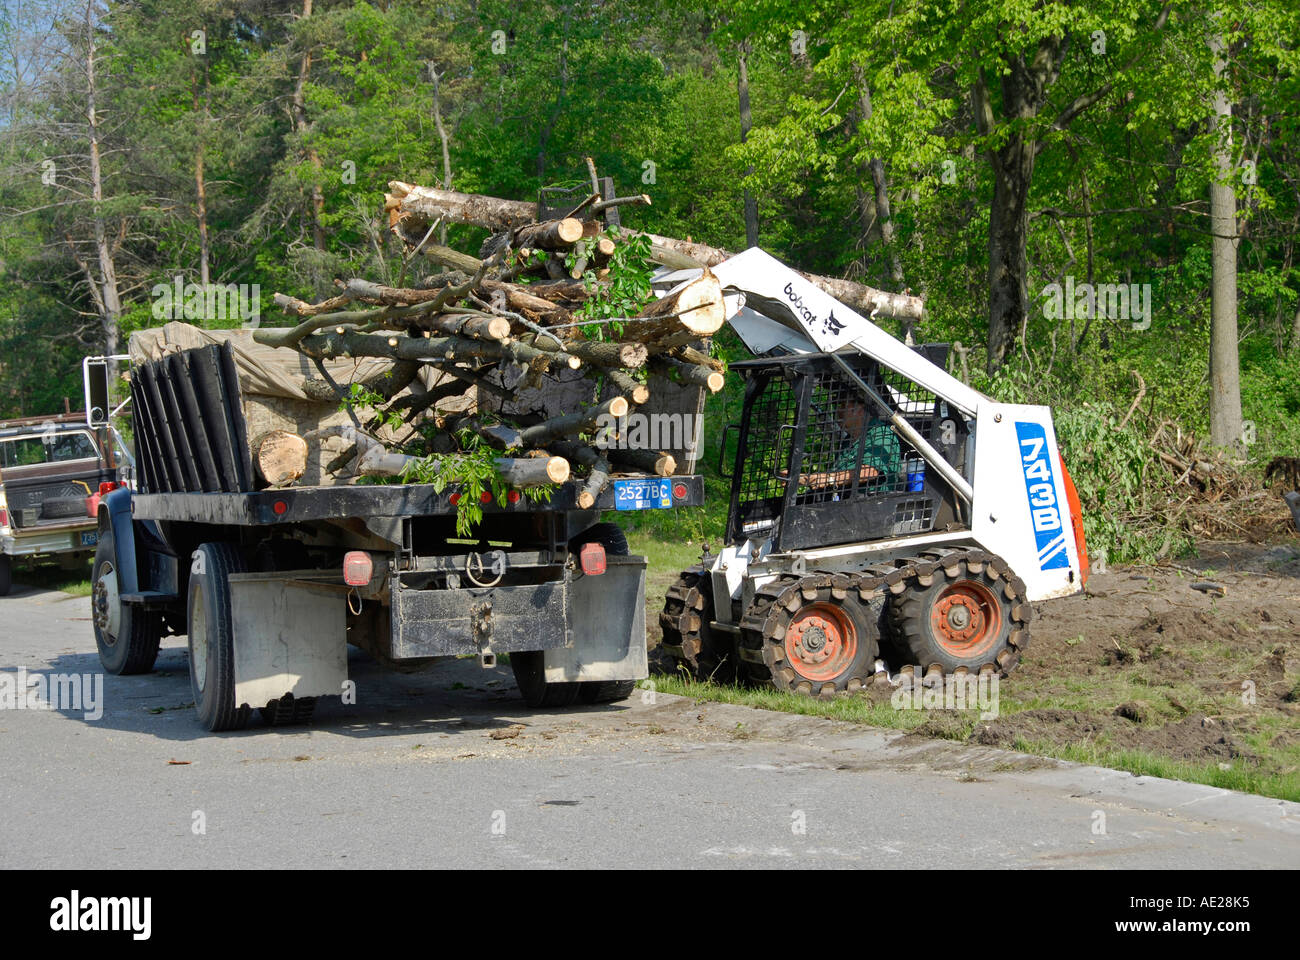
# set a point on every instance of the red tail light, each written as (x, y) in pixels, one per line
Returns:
(592, 559)
(357, 568)
(4, 517)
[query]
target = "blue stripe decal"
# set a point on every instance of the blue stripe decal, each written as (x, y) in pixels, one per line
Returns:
(1040, 488)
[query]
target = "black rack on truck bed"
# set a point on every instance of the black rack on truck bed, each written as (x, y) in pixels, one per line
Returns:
(271, 585)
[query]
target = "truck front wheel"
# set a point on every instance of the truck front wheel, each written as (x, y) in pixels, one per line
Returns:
(212, 637)
(127, 635)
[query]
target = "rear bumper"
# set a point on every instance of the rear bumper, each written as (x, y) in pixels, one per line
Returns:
(63, 539)
(590, 627)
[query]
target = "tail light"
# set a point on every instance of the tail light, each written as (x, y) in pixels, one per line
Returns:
(592, 559)
(1076, 521)
(357, 568)
(4, 518)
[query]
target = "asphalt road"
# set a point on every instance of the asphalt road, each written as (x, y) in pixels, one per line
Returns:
(412, 776)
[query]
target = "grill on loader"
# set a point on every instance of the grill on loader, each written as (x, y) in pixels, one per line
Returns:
(816, 466)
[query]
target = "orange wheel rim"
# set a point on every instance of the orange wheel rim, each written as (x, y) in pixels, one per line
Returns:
(967, 619)
(820, 642)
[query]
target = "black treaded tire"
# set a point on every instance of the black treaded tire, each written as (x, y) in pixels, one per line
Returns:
(134, 647)
(605, 691)
(288, 709)
(821, 609)
(210, 625)
(706, 655)
(989, 597)
(529, 668)
(6, 574)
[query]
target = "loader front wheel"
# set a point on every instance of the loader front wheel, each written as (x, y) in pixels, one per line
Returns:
(816, 637)
(965, 617)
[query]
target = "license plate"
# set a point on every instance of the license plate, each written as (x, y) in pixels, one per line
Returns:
(90, 539)
(643, 494)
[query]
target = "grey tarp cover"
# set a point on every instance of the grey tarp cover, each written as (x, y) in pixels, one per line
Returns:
(271, 386)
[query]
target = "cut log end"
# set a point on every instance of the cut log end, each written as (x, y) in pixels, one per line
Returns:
(618, 407)
(569, 230)
(280, 456)
(557, 469)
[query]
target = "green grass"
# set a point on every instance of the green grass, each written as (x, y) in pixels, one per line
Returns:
(75, 581)
(1238, 776)
(851, 709)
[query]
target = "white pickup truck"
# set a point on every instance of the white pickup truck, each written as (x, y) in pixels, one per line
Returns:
(52, 472)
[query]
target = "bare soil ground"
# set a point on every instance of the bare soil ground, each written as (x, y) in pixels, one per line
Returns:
(1147, 662)
(1145, 671)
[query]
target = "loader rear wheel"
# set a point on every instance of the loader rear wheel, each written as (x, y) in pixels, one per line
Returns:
(972, 613)
(816, 637)
(687, 613)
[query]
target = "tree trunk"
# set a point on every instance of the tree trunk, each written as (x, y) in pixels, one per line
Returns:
(280, 457)
(200, 182)
(691, 311)
(746, 122)
(880, 188)
(1225, 374)
(300, 125)
(549, 127)
(443, 139)
(1013, 168)
(110, 298)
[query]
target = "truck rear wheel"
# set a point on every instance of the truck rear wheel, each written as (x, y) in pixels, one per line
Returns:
(211, 631)
(288, 709)
(605, 691)
(6, 575)
(530, 673)
(127, 635)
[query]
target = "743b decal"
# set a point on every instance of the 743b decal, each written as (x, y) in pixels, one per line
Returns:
(1040, 486)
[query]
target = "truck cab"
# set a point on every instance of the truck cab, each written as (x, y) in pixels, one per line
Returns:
(52, 471)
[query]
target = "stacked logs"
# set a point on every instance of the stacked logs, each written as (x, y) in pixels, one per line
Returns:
(494, 323)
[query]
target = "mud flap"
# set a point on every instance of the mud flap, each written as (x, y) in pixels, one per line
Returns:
(290, 637)
(606, 626)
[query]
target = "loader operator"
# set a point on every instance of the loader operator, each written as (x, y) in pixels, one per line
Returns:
(881, 457)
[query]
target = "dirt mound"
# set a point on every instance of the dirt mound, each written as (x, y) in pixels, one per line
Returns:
(1197, 739)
